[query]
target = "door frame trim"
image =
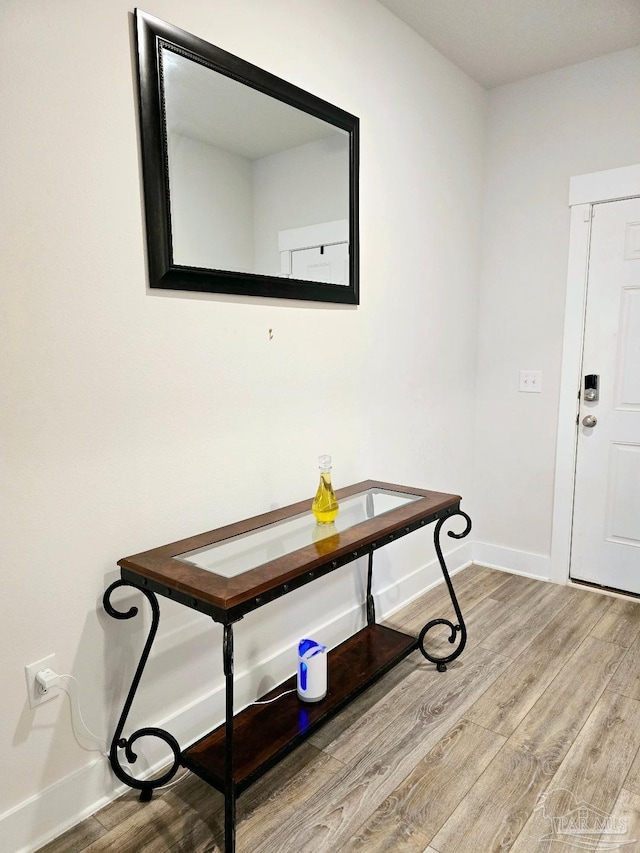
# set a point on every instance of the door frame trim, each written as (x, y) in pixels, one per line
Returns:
(584, 192)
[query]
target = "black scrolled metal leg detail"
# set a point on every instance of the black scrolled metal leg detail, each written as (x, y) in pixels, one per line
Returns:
(229, 784)
(145, 787)
(371, 607)
(458, 630)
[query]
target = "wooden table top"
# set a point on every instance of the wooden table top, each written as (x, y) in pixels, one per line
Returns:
(163, 570)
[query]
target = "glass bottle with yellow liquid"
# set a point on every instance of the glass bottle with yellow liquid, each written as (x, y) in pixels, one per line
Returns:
(325, 504)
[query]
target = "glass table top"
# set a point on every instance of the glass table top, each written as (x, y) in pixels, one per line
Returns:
(247, 551)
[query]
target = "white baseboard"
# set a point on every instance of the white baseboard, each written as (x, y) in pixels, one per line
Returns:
(41, 818)
(397, 596)
(48, 814)
(515, 562)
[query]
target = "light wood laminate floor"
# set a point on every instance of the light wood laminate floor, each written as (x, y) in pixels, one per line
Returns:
(538, 717)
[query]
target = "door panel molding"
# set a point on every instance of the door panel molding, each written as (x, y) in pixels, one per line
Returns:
(622, 521)
(627, 394)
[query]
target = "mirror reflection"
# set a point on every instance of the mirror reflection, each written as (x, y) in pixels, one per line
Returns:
(250, 183)
(266, 192)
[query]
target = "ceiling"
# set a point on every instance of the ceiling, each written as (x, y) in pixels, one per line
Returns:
(501, 41)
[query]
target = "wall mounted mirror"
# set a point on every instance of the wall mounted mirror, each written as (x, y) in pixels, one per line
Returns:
(250, 183)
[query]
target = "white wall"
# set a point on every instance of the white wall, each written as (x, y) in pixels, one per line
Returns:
(541, 131)
(131, 418)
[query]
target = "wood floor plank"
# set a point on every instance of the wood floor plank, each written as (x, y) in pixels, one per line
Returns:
(423, 683)
(627, 679)
(155, 828)
(562, 709)
(77, 839)
(128, 806)
(470, 590)
(471, 586)
(389, 832)
(592, 772)
(260, 810)
(385, 758)
(511, 697)
(632, 782)
(195, 842)
(189, 817)
(419, 700)
(482, 620)
(119, 810)
(282, 794)
(365, 702)
(620, 624)
(526, 619)
(516, 589)
(492, 815)
(277, 795)
(430, 793)
(626, 813)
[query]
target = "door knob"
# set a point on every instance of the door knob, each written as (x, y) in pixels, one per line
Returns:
(589, 421)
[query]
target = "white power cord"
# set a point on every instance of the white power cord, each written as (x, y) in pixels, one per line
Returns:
(175, 782)
(187, 772)
(279, 696)
(74, 704)
(46, 679)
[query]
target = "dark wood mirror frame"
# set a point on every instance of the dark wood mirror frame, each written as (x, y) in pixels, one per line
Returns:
(152, 34)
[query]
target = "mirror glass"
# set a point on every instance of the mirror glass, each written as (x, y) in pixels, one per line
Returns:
(250, 183)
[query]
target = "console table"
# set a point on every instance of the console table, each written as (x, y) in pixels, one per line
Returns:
(228, 572)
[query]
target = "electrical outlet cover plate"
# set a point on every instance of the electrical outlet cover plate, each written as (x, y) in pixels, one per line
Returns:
(35, 697)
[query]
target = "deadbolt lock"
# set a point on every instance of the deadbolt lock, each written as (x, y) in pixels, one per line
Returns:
(591, 388)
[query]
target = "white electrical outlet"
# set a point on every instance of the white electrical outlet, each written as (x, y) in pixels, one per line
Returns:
(36, 697)
(530, 381)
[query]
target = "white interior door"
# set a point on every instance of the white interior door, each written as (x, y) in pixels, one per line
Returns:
(606, 523)
(322, 263)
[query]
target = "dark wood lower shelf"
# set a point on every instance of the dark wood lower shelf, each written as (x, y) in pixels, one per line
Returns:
(264, 734)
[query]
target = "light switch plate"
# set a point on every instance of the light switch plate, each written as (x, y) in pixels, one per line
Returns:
(530, 381)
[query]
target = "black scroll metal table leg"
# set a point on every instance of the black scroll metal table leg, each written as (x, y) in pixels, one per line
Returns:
(458, 630)
(371, 606)
(229, 784)
(145, 787)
